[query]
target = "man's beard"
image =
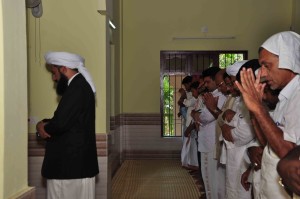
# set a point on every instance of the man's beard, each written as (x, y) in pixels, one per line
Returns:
(62, 85)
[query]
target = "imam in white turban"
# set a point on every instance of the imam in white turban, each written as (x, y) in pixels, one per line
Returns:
(233, 69)
(287, 46)
(72, 61)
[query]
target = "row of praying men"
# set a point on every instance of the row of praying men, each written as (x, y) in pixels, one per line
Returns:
(242, 124)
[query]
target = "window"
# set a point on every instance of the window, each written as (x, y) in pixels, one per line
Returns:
(175, 65)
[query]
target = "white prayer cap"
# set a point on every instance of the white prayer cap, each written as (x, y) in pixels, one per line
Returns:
(287, 46)
(72, 61)
(233, 69)
(253, 64)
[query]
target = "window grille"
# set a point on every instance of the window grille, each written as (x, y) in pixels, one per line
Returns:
(175, 65)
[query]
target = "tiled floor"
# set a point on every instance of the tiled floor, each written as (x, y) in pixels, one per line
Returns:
(155, 179)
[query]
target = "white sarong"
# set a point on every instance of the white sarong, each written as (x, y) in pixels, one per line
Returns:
(71, 189)
(269, 186)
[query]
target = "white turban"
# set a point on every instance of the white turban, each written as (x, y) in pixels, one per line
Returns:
(71, 61)
(287, 46)
(233, 69)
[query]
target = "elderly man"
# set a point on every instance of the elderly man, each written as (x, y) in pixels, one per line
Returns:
(280, 60)
(70, 163)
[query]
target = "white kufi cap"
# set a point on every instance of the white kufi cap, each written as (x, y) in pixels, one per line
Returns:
(233, 69)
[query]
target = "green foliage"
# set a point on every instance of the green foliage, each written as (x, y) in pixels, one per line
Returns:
(228, 59)
(168, 107)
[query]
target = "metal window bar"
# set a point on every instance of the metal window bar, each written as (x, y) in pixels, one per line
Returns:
(175, 66)
(169, 119)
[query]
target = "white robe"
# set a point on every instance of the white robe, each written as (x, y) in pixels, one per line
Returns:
(242, 134)
(71, 189)
(189, 146)
(254, 177)
(212, 173)
(286, 115)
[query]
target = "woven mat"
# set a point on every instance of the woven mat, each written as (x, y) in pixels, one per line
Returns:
(153, 179)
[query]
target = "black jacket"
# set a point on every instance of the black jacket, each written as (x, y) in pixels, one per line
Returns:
(71, 151)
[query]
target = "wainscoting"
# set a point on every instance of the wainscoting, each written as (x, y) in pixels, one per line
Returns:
(28, 193)
(36, 155)
(141, 138)
(131, 136)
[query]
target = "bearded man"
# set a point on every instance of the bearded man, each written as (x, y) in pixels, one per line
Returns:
(70, 163)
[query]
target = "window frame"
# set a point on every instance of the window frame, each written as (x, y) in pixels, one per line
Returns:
(211, 55)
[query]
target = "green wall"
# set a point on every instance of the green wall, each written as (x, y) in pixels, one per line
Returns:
(296, 16)
(144, 28)
(13, 99)
(149, 26)
(74, 26)
(116, 79)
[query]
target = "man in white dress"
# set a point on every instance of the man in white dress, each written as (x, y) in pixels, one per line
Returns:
(279, 58)
(186, 95)
(238, 133)
(213, 175)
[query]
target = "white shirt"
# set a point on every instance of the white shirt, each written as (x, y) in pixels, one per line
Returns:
(189, 95)
(207, 132)
(287, 117)
(287, 112)
(243, 131)
(192, 104)
(69, 81)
